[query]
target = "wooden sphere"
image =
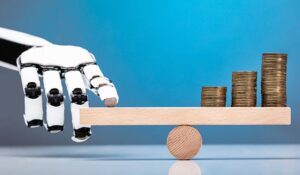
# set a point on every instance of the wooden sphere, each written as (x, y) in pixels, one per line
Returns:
(184, 142)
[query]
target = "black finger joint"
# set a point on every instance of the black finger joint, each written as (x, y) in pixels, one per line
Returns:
(32, 90)
(55, 128)
(35, 123)
(78, 97)
(55, 98)
(82, 133)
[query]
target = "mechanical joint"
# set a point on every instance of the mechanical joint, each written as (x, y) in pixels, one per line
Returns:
(55, 98)
(78, 96)
(32, 91)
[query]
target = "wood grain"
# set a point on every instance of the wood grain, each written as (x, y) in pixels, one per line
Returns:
(186, 116)
(184, 142)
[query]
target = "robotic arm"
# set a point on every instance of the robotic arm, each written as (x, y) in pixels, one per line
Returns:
(35, 57)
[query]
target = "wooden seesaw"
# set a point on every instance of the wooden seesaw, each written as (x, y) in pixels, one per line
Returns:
(184, 141)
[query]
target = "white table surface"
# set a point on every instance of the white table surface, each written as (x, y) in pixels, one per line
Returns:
(144, 160)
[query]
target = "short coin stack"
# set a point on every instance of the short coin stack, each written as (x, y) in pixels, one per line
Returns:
(213, 96)
(273, 82)
(243, 89)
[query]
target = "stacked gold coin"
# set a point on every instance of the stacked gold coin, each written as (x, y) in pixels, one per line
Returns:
(273, 84)
(213, 96)
(243, 89)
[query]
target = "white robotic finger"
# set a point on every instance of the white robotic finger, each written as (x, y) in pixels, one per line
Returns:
(33, 115)
(78, 97)
(101, 85)
(55, 101)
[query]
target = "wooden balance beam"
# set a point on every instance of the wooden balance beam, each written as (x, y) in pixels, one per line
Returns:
(186, 116)
(184, 141)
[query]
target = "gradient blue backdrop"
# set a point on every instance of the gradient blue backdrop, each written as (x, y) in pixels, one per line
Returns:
(160, 53)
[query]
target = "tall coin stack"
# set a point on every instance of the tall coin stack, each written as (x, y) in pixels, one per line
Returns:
(273, 84)
(213, 96)
(243, 89)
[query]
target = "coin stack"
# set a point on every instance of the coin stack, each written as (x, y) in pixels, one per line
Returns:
(243, 89)
(213, 96)
(273, 84)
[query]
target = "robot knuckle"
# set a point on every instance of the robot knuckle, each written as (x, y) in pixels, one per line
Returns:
(32, 90)
(82, 132)
(34, 123)
(55, 98)
(55, 128)
(78, 97)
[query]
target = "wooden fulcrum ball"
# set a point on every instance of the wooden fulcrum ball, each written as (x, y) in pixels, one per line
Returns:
(184, 142)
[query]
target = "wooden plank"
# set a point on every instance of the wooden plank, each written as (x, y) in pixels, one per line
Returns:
(186, 116)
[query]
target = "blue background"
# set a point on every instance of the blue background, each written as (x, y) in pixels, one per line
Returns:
(160, 53)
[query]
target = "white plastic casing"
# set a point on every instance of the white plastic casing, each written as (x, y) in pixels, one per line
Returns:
(74, 80)
(33, 107)
(55, 114)
(57, 55)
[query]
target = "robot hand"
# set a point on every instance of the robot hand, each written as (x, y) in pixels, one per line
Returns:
(36, 58)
